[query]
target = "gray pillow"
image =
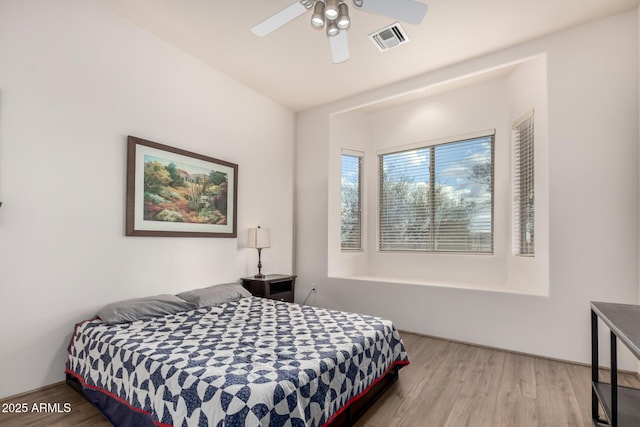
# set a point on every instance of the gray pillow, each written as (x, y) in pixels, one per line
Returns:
(215, 295)
(143, 308)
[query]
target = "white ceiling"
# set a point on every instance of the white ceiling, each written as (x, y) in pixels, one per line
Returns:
(293, 65)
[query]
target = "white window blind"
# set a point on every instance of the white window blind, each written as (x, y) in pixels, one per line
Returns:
(351, 202)
(523, 187)
(438, 198)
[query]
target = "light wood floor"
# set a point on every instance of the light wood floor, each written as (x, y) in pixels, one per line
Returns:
(453, 384)
(446, 384)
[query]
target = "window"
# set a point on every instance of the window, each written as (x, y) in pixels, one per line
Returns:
(351, 201)
(438, 198)
(523, 187)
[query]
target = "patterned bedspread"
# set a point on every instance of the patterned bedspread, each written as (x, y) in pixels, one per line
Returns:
(253, 362)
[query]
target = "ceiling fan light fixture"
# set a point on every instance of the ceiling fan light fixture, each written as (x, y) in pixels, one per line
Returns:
(331, 10)
(332, 29)
(317, 19)
(343, 22)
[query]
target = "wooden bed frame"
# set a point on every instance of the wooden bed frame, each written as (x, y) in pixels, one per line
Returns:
(345, 418)
(359, 406)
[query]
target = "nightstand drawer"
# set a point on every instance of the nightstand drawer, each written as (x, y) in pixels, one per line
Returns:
(280, 287)
(282, 296)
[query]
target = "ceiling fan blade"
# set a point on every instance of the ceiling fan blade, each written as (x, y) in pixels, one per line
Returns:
(339, 47)
(281, 18)
(409, 11)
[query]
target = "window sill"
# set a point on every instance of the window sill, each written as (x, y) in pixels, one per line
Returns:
(485, 287)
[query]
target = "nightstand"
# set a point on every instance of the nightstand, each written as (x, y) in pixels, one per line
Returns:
(280, 287)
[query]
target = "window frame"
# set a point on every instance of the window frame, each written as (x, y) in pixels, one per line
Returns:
(521, 183)
(431, 145)
(360, 193)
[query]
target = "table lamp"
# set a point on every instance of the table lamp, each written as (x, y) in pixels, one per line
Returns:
(259, 238)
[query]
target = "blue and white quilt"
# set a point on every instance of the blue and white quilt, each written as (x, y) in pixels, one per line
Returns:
(252, 362)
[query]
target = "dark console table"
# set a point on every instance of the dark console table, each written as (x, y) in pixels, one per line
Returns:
(621, 405)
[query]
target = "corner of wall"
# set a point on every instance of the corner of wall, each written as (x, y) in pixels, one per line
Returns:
(638, 35)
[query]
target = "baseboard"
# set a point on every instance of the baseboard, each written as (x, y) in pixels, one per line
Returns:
(35, 390)
(520, 353)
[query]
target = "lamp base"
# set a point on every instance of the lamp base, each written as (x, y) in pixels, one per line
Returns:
(259, 275)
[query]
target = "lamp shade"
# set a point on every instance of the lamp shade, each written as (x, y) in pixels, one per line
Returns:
(343, 22)
(332, 29)
(259, 238)
(317, 19)
(331, 9)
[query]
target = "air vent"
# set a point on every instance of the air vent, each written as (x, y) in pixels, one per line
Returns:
(389, 37)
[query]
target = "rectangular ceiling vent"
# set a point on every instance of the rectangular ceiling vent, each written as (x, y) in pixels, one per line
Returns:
(389, 37)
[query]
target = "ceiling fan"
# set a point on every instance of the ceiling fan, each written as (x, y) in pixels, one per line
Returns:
(334, 16)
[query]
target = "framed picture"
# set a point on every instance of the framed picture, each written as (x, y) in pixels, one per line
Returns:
(176, 193)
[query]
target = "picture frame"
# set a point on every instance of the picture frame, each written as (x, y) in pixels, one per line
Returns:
(178, 193)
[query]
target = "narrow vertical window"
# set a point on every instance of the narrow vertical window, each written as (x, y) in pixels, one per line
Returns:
(523, 187)
(351, 202)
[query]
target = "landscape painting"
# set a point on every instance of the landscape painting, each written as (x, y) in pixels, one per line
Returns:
(172, 192)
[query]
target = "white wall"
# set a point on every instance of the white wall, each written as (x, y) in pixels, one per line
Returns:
(472, 109)
(528, 91)
(492, 100)
(75, 80)
(352, 131)
(592, 77)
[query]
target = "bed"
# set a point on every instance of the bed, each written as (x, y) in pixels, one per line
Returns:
(247, 362)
